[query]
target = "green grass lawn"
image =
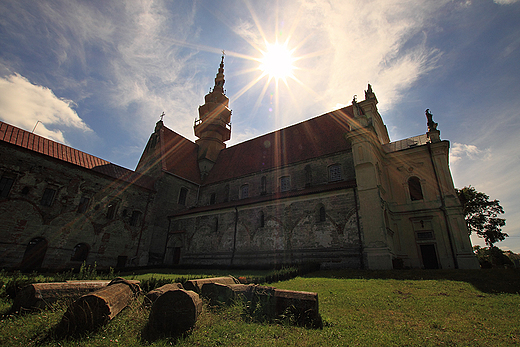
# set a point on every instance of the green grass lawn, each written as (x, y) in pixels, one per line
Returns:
(359, 308)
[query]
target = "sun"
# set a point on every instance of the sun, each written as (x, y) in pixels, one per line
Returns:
(277, 61)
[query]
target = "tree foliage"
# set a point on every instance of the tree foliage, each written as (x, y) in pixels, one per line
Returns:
(481, 215)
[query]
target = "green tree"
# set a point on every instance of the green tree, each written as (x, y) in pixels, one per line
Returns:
(481, 215)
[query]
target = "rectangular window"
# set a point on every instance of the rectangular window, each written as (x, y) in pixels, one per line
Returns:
(48, 197)
(182, 196)
(285, 184)
(136, 217)
(244, 191)
(83, 204)
(5, 186)
(425, 235)
(212, 198)
(335, 173)
(112, 209)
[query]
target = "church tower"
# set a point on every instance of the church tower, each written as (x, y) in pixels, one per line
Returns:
(213, 127)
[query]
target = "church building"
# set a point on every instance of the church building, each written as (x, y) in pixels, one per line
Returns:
(332, 190)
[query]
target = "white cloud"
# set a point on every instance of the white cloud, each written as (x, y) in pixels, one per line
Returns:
(505, 2)
(471, 152)
(24, 104)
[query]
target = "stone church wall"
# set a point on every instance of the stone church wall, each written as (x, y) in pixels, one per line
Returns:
(109, 228)
(272, 227)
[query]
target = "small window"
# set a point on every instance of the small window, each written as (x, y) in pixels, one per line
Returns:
(285, 184)
(5, 186)
(112, 210)
(244, 191)
(48, 197)
(263, 185)
(83, 204)
(226, 193)
(136, 217)
(335, 173)
(322, 216)
(308, 176)
(262, 219)
(80, 252)
(182, 196)
(425, 235)
(216, 224)
(212, 198)
(414, 185)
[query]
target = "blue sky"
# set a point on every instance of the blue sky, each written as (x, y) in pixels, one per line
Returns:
(98, 74)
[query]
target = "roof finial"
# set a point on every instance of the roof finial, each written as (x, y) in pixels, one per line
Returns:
(162, 116)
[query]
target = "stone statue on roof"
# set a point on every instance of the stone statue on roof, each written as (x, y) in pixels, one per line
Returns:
(431, 124)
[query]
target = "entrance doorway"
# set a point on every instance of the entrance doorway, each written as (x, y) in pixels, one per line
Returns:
(429, 257)
(34, 254)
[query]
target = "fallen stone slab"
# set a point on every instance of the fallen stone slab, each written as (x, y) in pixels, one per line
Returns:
(196, 285)
(152, 295)
(225, 294)
(40, 295)
(175, 312)
(93, 310)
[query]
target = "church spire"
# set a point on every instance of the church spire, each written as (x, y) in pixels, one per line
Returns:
(219, 79)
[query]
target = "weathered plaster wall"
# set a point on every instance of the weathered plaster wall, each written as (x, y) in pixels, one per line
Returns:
(291, 233)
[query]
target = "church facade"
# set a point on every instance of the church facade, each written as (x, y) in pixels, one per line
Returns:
(332, 190)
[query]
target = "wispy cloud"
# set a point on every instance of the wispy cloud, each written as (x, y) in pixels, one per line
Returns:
(471, 152)
(344, 45)
(24, 104)
(505, 2)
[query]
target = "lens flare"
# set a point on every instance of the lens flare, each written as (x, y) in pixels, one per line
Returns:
(277, 61)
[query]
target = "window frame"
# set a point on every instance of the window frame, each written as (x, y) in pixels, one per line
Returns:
(6, 184)
(183, 196)
(48, 196)
(337, 175)
(415, 189)
(285, 184)
(244, 191)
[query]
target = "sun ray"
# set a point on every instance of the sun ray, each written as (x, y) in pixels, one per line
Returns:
(245, 88)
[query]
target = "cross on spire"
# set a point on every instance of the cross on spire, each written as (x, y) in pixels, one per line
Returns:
(162, 116)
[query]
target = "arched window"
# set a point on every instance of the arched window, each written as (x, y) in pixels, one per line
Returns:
(414, 186)
(80, 252)
(216, 224)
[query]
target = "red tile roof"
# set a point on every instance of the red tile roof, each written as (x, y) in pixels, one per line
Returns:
(39, 144)
(313, 138)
